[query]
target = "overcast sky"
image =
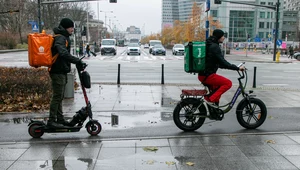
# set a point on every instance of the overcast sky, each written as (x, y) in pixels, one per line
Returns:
(137, 13)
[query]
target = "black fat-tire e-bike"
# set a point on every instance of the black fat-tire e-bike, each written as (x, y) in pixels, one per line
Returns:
(38, 128)
(192, 110)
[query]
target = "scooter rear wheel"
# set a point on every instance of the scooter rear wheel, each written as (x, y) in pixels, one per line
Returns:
(93, 128)
(34, 131)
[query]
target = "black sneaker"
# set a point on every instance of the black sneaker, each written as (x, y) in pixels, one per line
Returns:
(63, 122)
(54, 124)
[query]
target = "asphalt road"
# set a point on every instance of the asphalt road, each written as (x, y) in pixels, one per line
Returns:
(148, 69)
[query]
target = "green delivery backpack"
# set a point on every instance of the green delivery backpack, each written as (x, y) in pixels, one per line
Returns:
(194, 56)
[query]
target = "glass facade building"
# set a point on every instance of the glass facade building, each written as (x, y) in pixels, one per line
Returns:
(173, 10)
(242, 20)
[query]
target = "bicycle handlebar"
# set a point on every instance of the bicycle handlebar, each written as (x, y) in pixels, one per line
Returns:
(242, 74)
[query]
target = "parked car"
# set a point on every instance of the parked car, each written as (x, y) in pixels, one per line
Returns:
(178, 49)
(108, 46)
(297, 55)
(158, 49)
(133, 48)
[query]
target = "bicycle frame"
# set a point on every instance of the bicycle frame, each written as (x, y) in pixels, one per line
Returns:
(240, 90)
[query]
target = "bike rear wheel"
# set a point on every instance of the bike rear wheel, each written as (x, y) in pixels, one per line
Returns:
(187, 117)
(251, 114)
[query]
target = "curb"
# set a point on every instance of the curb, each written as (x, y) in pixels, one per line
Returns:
(12, 50)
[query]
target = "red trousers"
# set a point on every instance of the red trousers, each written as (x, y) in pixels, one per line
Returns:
(217, 84)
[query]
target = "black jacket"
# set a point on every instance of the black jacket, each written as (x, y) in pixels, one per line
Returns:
(62, 65)
(214, 58)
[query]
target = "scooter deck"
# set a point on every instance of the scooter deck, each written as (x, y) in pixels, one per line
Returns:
(62, 129)
(45, 128)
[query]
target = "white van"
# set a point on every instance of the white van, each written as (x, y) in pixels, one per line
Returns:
(108, 46)
(152, 43)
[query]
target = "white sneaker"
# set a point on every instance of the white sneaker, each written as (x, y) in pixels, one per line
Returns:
(211, 103)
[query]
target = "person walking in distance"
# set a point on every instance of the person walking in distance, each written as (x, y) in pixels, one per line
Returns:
(213, 61)
(59, 69)
(87, 50)
(291, 52)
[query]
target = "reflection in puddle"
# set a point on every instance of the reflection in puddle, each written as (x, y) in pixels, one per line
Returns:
(67, 163)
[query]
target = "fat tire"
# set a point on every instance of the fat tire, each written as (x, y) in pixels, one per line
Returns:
(32, 133)
(242, 111)
(91, 131)
(180, 107)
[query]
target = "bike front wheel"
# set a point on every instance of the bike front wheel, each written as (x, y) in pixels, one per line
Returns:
(251, 114)
(187, 117)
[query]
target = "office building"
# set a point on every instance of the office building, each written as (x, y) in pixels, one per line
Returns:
(243, 21)
(173, 10)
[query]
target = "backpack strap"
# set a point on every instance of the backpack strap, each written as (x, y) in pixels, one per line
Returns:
(56, 55)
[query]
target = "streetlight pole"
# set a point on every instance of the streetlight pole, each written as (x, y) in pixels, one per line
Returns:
(39, 16)
(105, 14)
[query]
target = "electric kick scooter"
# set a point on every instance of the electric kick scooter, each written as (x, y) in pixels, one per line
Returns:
(38, 128)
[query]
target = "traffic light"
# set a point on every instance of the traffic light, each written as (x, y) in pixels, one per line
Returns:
(225, 34)
(218, 1)
(83, 33)
(112, 1)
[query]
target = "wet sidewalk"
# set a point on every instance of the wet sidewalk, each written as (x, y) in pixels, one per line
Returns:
(194, 152)
(113, 98)
(215, 152)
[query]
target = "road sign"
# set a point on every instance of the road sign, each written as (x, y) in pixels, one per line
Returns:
(207, 5)
(279, 42)
(257, 39)
(35, 27)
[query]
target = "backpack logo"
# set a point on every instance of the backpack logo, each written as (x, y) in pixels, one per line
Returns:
(41, 49)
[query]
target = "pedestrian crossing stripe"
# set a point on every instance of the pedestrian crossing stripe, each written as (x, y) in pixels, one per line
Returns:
(134, 58)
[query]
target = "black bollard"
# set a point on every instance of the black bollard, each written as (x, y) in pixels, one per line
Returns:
(162, 74)
(118, 81)
(254, 78)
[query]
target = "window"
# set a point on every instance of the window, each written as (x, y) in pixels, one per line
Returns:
(262, 3)
(261, 34)
(261, 25)
(214, 13)
(262, 15)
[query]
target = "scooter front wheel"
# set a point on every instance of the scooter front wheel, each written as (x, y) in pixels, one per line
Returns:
(93, 128)
(251, 114)
(35, 131)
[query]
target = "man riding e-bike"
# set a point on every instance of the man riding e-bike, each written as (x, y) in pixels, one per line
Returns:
(213, 61)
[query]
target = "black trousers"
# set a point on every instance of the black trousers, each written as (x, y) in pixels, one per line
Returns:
(59, 82)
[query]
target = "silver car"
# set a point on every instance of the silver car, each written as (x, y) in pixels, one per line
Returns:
(133, 48)
(297, 55)
(178, 49)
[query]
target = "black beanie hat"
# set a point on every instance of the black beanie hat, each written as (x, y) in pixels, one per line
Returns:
(218, 33)
(66, 23)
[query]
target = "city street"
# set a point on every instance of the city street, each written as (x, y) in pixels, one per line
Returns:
(144, 103)
(148, 69)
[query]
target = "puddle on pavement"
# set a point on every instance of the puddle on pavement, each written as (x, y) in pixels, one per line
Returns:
(108, 120)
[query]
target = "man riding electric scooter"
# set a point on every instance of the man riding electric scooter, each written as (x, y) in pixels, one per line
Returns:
(59, 69)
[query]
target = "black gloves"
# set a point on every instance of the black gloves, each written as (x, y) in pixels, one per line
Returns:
(81, 65)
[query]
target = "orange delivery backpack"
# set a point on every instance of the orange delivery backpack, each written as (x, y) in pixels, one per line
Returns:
(39, 49)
